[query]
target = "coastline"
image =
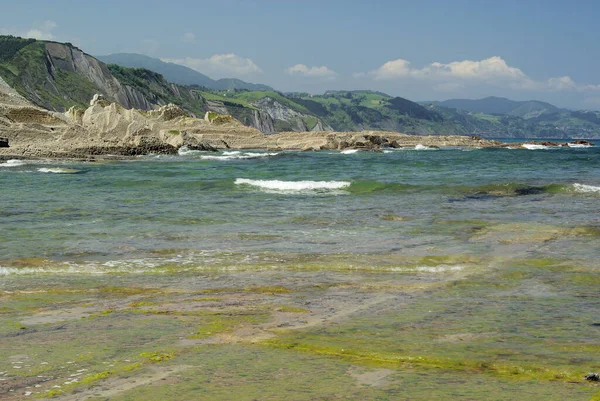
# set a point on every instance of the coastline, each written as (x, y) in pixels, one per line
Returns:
(107, 131)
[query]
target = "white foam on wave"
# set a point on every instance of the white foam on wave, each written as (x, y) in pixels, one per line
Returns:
(423, 147)
(578, 145)
(184, 150)
(13, 163)
(238, 156)
(227, 155)
(294, 186)
(349, 151)
(57, 170)
(533, 146)
(585, 188)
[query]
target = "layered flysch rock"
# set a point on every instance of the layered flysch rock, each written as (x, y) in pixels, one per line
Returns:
(296, 120)
(107, 128)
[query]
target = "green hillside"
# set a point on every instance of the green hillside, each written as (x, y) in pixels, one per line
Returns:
(500, 105)
(24, 66)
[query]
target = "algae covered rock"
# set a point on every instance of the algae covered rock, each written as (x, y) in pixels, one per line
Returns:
(218, 119)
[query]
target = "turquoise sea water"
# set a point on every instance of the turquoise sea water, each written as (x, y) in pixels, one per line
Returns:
(197, 208)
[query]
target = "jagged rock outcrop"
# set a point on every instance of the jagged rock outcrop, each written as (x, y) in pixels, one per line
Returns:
(263, 122)
(297, 120)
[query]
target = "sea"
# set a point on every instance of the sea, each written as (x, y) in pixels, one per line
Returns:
(234, 209)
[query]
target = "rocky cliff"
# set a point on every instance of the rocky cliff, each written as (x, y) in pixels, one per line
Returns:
(71, 60)
(288, 117)
(56, 76)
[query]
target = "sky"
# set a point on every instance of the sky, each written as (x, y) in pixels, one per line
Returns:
(420, 49)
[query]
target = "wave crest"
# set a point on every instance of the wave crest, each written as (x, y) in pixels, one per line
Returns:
(294, 186)
(585, 188)
(58, 170)
(13, 163)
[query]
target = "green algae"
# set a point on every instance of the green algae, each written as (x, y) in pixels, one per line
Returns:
(514, 371)
(510, 324)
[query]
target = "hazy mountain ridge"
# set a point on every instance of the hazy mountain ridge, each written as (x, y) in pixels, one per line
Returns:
(178, 74)
(535, 118)
(499, 105)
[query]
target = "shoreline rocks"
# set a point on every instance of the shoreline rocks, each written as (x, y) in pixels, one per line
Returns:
(108, 130)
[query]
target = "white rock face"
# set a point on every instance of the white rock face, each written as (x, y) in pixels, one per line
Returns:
(278, 111)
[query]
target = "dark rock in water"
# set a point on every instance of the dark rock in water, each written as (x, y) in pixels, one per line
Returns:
(475, 196)
(204, 146)
(529, 190)
(594, 377)
(550, 144)
(129, 150)
(376, 139)
(4, 143)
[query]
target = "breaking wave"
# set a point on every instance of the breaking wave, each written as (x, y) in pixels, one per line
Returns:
(294, 186)
(533, 146)
(585, 188)
(578, 145)
(57, 170)
(227, 155)
(423, 147)
(13, 163)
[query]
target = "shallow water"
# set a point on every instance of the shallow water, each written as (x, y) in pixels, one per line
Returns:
(301, 202)
(412, 274)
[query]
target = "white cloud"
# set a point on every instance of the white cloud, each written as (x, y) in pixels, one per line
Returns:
(493, 69)
(456, 75)
(220, 64)
(312, 72)
(394, 69)
(561, 84)
(41, 32)
(189, 37)
(591, 87)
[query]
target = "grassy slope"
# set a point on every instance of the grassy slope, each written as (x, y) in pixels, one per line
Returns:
(23, 66)
(154, 86)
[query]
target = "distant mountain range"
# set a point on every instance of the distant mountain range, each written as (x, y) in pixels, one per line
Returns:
(179, 74)
(499, 106)
(58, 76)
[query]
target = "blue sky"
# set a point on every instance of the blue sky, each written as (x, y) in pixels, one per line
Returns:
(421, 50)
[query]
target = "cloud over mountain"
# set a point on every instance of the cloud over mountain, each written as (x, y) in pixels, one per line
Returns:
(459, 74)
(42, 31)
(220, 65)
(311, 72)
